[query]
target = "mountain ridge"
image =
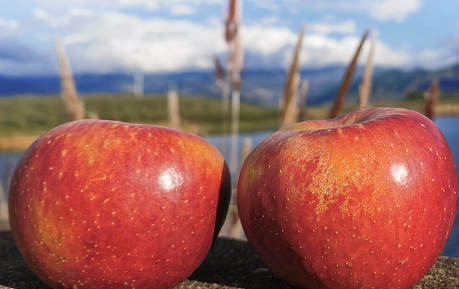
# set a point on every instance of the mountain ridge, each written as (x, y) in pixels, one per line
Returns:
(259, 86)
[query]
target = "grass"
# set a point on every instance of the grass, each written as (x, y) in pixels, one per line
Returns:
(35, 115)
(38, 114)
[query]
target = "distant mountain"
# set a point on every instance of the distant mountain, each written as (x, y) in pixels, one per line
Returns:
(395, 84)
(258, 86)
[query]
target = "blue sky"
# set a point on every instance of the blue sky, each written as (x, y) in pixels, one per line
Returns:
(171, 35)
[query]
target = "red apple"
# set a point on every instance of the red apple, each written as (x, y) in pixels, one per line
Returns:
(367, 200)
(98, 204)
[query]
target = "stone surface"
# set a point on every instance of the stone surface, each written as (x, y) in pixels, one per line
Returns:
(230, 264)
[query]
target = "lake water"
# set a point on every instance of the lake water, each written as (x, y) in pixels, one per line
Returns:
(448, 125)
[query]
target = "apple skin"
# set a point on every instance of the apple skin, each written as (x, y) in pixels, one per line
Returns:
(366, 200)
(105, 204)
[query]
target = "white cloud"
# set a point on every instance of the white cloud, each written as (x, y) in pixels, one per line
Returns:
(182, 10)
(9, 24)
(76, 38)
(393, 9)
(121, 41)
(267, 40)
(318, 48)
(266, 4)
(115, 40)
(382, 10)
(345, 27)
(106, 41)
(322, 50)
(41, 15)
(82, 12)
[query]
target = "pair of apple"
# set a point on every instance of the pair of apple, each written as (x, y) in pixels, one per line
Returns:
(363, 201)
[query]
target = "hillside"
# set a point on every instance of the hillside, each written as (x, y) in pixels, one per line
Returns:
(258, 87)
(394, 84)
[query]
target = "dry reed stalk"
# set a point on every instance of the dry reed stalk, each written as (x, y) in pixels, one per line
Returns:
(235, 106)
(75, 106)
(3, 205)
(303, 99)
(234, 65)
(346, 82)
(139, 85)
(220, 80)
(233, 227)
(289, 108)
(236, 230)
(173, 103)
(365, 87)
(4, 187)
(432, 96)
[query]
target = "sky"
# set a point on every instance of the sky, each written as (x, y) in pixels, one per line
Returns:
(156, 36)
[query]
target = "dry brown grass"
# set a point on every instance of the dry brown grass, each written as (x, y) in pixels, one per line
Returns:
(365, 87)
(75, 106)
(289, 108)
(346, 82)
(16, 142)
(432, 96)
(173, 105)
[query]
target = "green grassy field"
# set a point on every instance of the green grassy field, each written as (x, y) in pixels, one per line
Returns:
(32, 115)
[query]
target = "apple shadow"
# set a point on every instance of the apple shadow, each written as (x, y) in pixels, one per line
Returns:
(234, 263)
(14, 272)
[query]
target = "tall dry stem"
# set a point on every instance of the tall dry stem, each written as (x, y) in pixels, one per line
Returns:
(4, 187)
(3, 205)
(235, 106)
(346, 82)
(173, 104)
(234, 65)
(432, 96)
(233, 227)
(75, 106)
(289, 108)
(139, 84)
(365, 87)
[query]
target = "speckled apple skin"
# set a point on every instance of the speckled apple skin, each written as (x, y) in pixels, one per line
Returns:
(104, 204)
(367, 200)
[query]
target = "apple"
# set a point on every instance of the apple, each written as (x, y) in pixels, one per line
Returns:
(98, 204)
(366, 200)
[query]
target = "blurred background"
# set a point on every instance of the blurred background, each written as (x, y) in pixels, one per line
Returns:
(231, 71)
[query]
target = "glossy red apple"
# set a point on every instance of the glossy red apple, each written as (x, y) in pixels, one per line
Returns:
(104, 204)
(367, 200)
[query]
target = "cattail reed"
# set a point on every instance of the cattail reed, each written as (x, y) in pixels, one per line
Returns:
(233, 227)
(75, 106)
(365, 87)
(432, 96)
(139, 85)
(3, 205)
(4, 188)
(289, 108)
(234, 65)
(346, 82)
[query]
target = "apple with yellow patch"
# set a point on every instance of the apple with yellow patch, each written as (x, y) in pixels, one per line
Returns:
(98, 204)
(366, 200)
